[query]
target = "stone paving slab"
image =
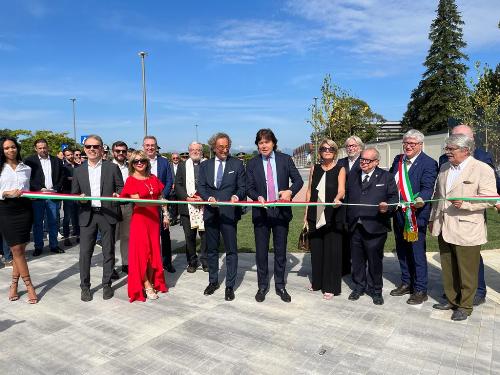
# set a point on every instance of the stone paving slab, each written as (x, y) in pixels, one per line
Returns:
(185, 332)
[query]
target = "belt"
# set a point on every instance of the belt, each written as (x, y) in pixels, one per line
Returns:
(96, 210)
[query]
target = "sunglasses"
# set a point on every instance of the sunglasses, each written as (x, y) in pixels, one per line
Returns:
(93, 147)
(366, 161)
(327, 149)
(140, 161)
(120, 151)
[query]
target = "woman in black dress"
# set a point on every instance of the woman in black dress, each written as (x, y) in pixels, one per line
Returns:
(16, 215)
(325, 223)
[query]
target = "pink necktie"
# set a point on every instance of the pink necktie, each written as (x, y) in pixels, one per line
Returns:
(271, 194)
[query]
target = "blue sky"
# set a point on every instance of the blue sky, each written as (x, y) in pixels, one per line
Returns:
(233, 66)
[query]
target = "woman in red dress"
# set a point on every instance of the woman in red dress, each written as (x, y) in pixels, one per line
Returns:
(144, 259)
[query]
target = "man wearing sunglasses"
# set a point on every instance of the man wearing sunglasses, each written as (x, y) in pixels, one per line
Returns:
(173, 209)
(120, 150)
(97, 178)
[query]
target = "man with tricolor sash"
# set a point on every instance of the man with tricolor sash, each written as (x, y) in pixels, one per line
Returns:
(415, 173)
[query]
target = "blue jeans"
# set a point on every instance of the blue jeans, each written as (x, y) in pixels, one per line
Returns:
(70, 209)
(41, 208)
(481, 283)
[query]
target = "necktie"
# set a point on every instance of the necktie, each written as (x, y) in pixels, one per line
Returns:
(271, 194)
(218, 180)
(365, 180)
(408, 162)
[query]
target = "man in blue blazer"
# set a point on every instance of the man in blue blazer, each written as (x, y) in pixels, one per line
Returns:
(368, 224)
(160, 167)
(222, 178)
(422, 171)
(268, 179)
(485, 157)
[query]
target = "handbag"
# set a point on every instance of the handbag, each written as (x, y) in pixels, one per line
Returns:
(304, 239)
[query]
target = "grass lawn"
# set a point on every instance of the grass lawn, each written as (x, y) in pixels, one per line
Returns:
(246, 242)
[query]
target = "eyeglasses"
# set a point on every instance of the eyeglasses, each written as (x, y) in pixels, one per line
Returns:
(366, 161)
(120, 151)
(77, 154)
(175, 158)
(351, 146)
(139, 161)
(450, 149)
(93, 147)
(222, 148)
(327, 149)
(411, 144)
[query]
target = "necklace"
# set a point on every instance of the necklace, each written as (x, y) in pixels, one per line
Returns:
(150, 188)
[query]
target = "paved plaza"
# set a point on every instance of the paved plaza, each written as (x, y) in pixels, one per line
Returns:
(187, 332)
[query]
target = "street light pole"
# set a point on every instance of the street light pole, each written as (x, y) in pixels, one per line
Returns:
(315, 129)
(196, 126)
(142, 55)
(74, 119)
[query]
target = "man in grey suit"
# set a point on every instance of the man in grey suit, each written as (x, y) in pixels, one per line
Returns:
(98, 178)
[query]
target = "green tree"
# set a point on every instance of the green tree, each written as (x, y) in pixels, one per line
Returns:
(440, 93)
(54, 140)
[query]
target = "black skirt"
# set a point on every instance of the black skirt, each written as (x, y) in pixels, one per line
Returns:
(16, 219)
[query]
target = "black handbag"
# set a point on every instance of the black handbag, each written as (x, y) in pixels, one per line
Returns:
(304, 239)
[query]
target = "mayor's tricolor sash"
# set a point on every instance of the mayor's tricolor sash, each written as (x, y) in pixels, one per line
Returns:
(410, 232)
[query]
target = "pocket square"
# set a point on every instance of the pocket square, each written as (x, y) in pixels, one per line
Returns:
(380, 185)
(468, 182)
(230, 172)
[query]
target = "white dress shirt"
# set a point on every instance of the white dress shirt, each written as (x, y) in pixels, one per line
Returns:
(363, 174)
(154, 166)
(11, 179)
(123, 168)
(217, 162)
(47, 172)
(454, 172)
(351, 162)
(95, 182)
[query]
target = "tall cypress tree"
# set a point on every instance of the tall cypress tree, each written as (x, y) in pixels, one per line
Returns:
(432, 103)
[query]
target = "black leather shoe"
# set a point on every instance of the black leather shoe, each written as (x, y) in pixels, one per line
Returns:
(354, 296)
(191, 269)
(115, 276)
(377, 299)
(459, 315)
(478, 300)
(285, 297)
(169, 268)
(37, 252)
(401, 290)
(57, 250)
(210, 289)
(107, 292)
(229, 295)
(86, 296)
(261, 295)
(205, 267)
(67, 242)
(125, 269)
(444, 306)
(417, 298)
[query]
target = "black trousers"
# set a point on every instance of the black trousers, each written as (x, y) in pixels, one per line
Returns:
(213, 230)
(326, 259)
(88, 236)
(190, 236)
(367, 254)
(262, 231)
(346, 253)
(166, 246)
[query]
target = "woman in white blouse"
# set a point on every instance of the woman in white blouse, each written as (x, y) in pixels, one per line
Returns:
(16, 214)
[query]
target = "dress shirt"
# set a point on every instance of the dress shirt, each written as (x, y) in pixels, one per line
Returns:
(154, 166)
(363, 174)
(47, 172)
(351, 162)
(11, 179)
(95, 182)
(175, 168)
(123, 168)
(275, 175)
(217, 160)
(408, 166)
(454, 172)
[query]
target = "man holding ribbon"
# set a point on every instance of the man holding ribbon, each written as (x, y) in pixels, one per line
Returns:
(415, 173)
(268, 179)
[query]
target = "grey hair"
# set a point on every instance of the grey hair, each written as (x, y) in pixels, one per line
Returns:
(414, 133)
(356, 139)
(194, 143)
(213, 139)
(377, 154)
(96, 137)
(461, 141)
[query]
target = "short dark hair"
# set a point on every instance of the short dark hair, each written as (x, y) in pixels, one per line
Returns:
(68, 149)
(119, 144)
(268, 135)
(40, 140)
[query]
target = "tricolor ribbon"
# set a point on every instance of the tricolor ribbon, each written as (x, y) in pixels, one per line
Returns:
(410, 232)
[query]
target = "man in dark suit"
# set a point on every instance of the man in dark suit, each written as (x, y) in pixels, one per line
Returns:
(186, 189)
(97, 178)
(160, 167)
(268, 179)
(173, 209)
(47, 175)
(353, 146)
(422, 172)
(369, 225)
(70, 207)
(487, 158)
(222, 178)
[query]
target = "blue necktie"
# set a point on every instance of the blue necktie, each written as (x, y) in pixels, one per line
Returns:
(218, 180)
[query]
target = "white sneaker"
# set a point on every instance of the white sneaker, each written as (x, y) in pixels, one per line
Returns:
(59, 236)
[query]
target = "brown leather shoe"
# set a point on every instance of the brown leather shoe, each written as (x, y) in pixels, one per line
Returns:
(417, 298)
(401, 290)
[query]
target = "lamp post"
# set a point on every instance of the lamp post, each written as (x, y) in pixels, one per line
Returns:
(74, 120)
(196, 127)
(143, 55)
(315, 129)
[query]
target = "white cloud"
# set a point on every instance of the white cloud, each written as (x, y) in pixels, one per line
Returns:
(10, 115)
